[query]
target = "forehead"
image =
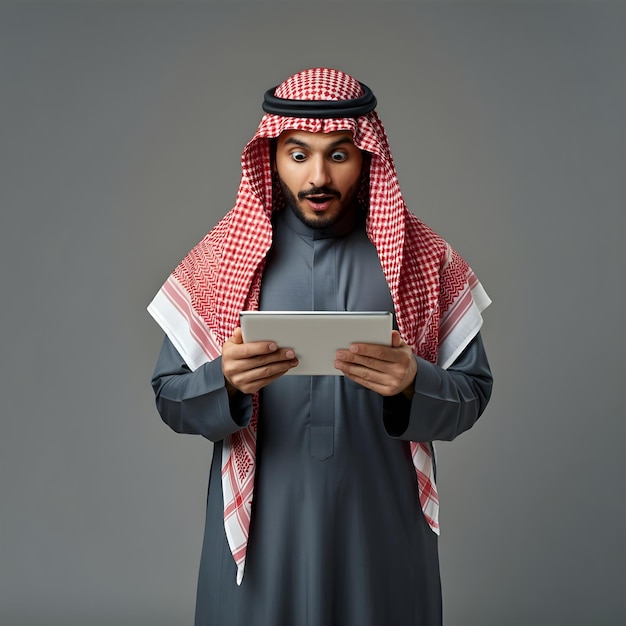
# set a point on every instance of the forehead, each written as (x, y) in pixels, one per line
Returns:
(314, 140)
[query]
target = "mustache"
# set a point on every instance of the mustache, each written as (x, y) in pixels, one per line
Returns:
(319, 191)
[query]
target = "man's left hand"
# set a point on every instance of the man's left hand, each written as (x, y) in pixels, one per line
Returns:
(388, 370)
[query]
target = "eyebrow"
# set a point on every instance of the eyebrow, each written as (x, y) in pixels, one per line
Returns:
(333, 145)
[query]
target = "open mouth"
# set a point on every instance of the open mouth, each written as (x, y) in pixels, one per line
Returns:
(319, 199)
(319, 203)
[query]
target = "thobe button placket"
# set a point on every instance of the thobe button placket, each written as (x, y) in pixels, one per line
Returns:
(323, 387)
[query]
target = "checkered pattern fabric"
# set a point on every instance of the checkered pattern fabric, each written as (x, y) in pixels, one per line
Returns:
(431, 285)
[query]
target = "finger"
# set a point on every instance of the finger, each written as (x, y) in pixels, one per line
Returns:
(277, 356)
(396, 339)
(249, 356)
(371, 348)
(370, 355)
(250, 349)
(251, 380)
(237, 335)
(270, 371)
(380, 382)
(376, 381)
(376, 372)
(359, 372)
(252, 367)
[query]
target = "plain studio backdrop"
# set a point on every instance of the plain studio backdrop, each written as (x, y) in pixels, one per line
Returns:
(122, 125)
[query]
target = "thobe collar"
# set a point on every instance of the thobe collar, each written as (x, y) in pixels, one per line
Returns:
(343, 226)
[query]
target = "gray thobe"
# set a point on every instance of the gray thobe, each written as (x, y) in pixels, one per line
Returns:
(337, 533)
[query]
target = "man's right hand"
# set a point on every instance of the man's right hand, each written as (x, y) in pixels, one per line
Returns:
(248, 367)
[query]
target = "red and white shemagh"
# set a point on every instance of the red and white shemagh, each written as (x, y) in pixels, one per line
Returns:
(438, 299)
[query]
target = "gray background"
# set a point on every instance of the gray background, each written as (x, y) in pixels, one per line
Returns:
(121, 131)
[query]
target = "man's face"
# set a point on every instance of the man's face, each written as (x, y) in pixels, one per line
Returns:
(319, 174)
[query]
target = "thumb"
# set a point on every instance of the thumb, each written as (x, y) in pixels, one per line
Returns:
(237, 336)
(396, 339)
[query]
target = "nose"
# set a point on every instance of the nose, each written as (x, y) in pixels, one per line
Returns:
(320, 172)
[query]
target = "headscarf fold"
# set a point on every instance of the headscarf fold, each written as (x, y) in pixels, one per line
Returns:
(437, 298)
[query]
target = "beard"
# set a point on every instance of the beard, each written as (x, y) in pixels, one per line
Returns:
(321, 222)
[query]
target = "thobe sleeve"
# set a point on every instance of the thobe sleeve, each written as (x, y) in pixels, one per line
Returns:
(446, 402)
(197, 402)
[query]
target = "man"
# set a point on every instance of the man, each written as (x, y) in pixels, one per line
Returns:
(322, 488)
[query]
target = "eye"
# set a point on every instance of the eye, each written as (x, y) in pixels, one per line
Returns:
(298, 155)
(338, 156)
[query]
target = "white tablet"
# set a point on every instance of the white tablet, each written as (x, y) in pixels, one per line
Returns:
(317, 335)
